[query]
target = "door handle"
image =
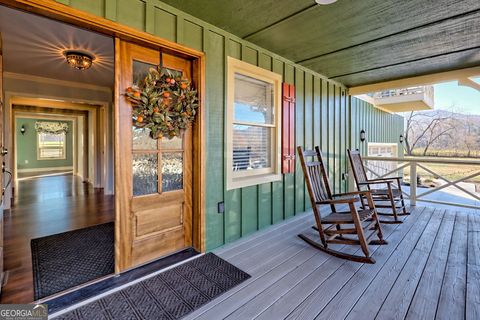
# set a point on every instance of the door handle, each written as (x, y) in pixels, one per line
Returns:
(10, 176)
(8, 181)
(3, 151)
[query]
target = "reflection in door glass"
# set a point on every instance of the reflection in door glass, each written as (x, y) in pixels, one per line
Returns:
(140, 70)
(141, 139)
(172, 171)
(145, 177)
(174, 143)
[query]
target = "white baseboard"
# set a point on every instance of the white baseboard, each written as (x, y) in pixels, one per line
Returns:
(44, 169)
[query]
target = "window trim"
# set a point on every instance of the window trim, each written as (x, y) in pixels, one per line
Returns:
(64, 149)
(236, 180)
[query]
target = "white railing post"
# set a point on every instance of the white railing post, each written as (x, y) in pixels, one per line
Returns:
(413, 183)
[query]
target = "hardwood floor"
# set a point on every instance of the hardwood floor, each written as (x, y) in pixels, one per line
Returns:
(45, 206)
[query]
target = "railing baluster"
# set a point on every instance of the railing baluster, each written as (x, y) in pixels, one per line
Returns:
(413, 183)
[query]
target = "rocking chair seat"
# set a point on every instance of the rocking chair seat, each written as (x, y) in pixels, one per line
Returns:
(346, 217)
(384, 192)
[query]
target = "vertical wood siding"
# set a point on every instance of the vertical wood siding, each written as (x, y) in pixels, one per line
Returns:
(323, 116)
(379, 126)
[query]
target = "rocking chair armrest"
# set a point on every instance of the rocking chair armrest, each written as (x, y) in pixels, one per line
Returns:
(338, 201)
(353, 193)
(393, 178)
(376, 181)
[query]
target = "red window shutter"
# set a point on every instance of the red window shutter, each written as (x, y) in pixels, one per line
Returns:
(288, 128)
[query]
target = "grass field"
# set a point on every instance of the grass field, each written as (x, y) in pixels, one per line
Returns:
(475, 154)
(451, 172)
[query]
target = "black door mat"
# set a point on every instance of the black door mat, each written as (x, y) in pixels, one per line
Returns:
(94, 289)
(68, 259)
(169, 295)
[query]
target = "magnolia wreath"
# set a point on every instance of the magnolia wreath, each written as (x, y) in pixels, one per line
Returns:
(164, 102)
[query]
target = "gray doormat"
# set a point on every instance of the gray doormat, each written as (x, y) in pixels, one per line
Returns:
(65, 260)
(169, 295)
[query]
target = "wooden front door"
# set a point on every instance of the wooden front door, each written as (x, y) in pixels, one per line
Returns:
(153, 177)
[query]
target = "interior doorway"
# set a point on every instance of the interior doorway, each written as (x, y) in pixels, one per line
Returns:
(58, 226)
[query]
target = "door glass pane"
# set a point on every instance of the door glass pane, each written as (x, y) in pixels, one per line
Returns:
(145, 177)
(172, 171)
(140, 70)
(175, 143)
(141, 139)
(253, 100)
(252, 147)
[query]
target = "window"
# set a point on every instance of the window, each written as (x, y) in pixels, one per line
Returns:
(253, 125)
(51, 146)
(377, 149)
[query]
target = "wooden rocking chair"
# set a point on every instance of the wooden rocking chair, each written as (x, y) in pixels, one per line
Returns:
(389, 196)
(362, 223)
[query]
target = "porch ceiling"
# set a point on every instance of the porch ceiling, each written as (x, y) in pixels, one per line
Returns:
(355, 42)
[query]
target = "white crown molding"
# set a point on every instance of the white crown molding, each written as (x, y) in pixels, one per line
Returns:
(27, 77)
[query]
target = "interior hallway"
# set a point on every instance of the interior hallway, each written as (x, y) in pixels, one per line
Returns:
(45, 206)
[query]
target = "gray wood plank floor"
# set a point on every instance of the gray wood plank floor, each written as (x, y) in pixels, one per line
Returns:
(429, 270)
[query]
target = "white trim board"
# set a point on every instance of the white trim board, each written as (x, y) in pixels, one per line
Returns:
(65, 83)
(45, 169)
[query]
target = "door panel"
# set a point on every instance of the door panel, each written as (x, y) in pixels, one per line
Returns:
(154, 177)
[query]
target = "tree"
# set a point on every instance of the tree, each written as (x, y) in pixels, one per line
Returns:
(424, 129)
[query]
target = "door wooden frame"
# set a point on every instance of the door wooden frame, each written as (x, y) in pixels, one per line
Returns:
(60, 12)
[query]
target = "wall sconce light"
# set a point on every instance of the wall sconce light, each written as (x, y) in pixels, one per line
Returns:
(22, 129)
(401, 138)
(362, 135)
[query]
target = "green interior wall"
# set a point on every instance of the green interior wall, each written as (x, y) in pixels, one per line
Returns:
(323, 116)
(27, 146)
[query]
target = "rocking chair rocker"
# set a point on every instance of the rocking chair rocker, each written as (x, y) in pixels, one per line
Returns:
(363, 223)
(390, 197)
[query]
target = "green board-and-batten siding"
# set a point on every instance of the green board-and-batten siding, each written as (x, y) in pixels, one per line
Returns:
(379, 126)
(322, 117)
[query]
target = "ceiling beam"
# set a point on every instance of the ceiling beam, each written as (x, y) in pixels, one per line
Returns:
(403, 62)
(417, 81)
(279, 21)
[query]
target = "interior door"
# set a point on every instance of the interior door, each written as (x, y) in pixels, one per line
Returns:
(3, 152)
(153, 177)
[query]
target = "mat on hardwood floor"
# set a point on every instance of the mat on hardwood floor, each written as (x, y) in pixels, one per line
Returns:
(65, 260)
(169, 295)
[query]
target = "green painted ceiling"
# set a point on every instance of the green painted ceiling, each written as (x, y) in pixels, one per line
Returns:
(355, 42)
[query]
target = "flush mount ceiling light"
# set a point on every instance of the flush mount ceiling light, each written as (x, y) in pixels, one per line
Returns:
(324, 2)
(78, 60)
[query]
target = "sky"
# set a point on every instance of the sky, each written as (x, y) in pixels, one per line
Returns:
(463, 99)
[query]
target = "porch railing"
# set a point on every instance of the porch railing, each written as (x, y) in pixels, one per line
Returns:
(409, 167)
(426, 90)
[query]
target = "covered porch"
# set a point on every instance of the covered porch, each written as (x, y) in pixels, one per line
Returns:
(299, 69)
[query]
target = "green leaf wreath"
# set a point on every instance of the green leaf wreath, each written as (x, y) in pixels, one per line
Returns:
(163, 102)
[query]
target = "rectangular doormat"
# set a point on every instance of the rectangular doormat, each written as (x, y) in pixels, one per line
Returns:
(65, 260)
(168, 295)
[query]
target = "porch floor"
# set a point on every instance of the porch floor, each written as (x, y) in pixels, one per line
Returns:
(430, 269)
